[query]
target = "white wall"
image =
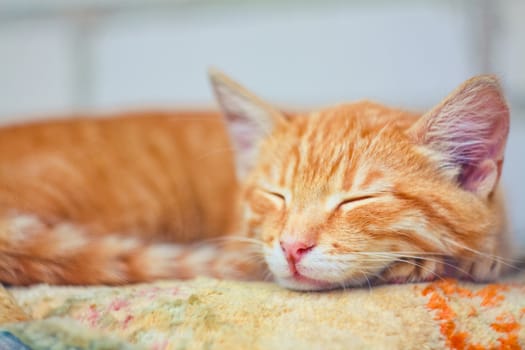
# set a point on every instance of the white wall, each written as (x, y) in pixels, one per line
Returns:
(411, 53)
(408, 54)
(35, 67)
(309, 56)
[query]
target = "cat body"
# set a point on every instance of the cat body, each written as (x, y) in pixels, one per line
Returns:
(75, 191)
(348, 195)
(135, 173)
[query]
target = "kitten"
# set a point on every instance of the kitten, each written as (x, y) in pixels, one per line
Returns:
(348, 195)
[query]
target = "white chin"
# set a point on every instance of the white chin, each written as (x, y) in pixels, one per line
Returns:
(308, 284)
(305, 285)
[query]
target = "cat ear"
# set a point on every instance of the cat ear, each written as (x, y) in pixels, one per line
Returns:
(248, 118)
(468, 131)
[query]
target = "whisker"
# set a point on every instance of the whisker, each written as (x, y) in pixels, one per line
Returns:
(401, 253)
(420, 253)
(367, 281)
(505, 261)
(394, 257)
(268, 276)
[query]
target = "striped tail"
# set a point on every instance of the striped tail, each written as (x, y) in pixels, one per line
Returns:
(32, 252)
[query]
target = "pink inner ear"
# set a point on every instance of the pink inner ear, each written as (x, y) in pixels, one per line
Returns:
(490, 113)
(481, 179)
(483, 126)
(471, 128)
(244, 135)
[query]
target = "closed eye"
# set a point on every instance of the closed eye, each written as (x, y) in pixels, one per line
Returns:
(347, 202)
(275, 197)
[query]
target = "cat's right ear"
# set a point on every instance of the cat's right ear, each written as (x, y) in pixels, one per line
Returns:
(468, 131)
(248, 119)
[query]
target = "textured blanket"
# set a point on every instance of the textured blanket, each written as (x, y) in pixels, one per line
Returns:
(212, 314)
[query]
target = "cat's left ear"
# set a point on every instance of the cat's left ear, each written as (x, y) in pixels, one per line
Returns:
(468, 132)
(248, 119)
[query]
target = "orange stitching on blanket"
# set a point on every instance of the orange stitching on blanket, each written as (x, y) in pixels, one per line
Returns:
(448, 287)
(455, 339)
(506, 323)
(490, 294)
(440, 294)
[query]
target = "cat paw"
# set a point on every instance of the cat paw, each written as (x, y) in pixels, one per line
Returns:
(480, 270)
(413, 270)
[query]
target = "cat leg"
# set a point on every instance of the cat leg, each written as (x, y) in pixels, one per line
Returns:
(487, 263)
(481, 269)
(33, 252)
(413, 270)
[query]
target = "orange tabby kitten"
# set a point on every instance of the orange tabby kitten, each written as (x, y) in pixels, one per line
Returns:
(348, 195)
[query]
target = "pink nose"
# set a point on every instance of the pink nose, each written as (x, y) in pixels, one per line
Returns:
(295, 250)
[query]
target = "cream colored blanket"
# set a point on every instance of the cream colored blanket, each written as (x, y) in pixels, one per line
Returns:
(212, 314)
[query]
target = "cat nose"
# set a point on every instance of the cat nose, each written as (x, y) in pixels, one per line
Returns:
(294, 250)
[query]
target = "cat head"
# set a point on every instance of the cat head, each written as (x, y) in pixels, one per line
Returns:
(338, 195)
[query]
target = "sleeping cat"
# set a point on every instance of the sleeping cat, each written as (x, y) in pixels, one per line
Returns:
(344, 196)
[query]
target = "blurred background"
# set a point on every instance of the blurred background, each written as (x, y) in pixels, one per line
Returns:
(60, 56)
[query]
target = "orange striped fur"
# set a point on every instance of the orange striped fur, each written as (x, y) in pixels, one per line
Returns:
(103, 200)
(347, 195)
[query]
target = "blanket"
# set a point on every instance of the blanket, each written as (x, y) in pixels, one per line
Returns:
(213, 314)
